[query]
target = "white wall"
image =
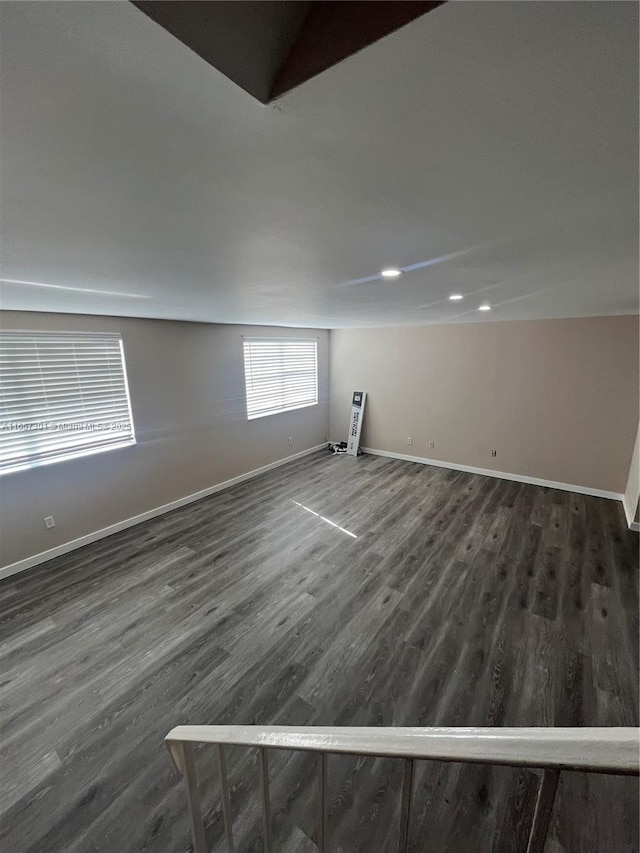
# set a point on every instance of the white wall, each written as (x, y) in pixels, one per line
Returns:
(632, 491)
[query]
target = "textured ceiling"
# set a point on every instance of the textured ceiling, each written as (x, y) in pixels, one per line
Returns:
(487, 148)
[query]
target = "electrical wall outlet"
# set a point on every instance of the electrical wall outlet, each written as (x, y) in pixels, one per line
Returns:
(432, 444)
(290, 441)
(409, 440)
(494, 452)
(49, 522)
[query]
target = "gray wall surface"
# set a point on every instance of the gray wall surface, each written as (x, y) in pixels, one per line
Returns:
(186, 383)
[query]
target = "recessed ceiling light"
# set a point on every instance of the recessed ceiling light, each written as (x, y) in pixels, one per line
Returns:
(391, 272)
(456, 297)
(484, 308)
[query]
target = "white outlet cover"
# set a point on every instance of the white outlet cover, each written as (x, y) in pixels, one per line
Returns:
(49, 522)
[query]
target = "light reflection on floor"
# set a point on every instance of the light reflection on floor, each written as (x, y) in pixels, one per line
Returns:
(328, 520)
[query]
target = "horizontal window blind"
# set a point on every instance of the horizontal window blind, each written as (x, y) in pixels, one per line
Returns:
(61, 396)
(280, 375)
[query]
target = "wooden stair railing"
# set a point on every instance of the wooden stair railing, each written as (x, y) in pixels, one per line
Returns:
(592, 750)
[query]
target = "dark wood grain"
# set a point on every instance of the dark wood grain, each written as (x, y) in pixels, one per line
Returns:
(464, 600)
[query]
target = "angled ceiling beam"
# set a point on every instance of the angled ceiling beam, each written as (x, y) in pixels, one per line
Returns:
(246, 41)
(268, 47)
(335, 29)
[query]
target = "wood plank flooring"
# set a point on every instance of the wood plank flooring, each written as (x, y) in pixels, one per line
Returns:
(441, 598)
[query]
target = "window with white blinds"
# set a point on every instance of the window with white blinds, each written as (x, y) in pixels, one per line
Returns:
(280, 374)
(61, 396)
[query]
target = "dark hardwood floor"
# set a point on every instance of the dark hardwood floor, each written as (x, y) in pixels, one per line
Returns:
(464, 600)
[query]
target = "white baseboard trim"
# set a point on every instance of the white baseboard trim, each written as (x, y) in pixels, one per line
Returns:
(501, 475)
(630, 515)
(44, 556)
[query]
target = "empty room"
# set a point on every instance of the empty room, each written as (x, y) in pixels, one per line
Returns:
(319, 427)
